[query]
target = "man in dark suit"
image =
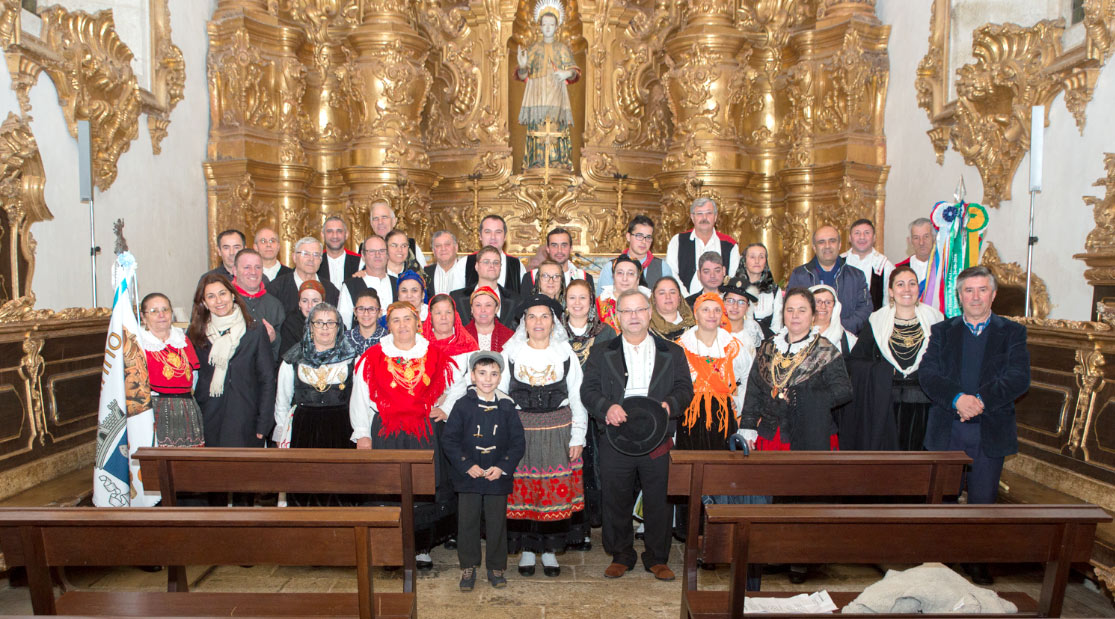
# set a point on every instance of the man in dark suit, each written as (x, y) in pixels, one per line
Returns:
(493, 231)
(635, 364)
(229, 243)
(487, 274)
(976, 366)
(338, 263)
(307, 260)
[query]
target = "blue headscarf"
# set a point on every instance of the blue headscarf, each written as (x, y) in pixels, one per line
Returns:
(404, 276)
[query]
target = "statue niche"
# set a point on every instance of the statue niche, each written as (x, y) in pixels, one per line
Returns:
(547, 67)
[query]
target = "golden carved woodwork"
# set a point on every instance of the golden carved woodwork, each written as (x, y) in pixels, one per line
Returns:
(31, 371)
(1016, 67)
(327, 106)
(1013, 275)
(21, 196)
(91, 70)
(1099, 246)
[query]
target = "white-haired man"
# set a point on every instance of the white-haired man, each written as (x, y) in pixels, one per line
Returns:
(686, 247)
(307, 260)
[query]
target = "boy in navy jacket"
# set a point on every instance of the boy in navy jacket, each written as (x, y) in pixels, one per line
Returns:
(484, 441)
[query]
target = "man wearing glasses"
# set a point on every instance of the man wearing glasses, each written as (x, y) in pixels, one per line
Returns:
(636, 364)
(307, 261)
(489, 261)
(640, 237)
(267, 244)
(374, 253)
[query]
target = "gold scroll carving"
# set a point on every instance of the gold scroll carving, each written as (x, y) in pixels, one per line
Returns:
(1016, 67)
(1099, 246)
(1013, 275)
(91, 70)
(21, 195)
(772, 107)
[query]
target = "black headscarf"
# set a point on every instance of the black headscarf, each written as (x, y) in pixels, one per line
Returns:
(307, 354)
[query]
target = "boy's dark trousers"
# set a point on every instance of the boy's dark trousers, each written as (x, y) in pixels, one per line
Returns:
(494, 508)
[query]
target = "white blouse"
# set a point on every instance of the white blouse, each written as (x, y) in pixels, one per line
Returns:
(544, 367)
(329, 374)
(361, 408)
(741, 365)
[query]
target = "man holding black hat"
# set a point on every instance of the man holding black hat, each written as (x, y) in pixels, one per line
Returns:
(634, 386)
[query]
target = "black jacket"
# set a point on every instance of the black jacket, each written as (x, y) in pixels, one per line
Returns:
(247, 406)
(501, 443)
(1004, 377)
(352, 265)
(285, 290)
(606, 379)
(511, 264)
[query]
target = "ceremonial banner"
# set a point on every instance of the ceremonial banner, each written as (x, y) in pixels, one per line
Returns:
(959, 240)
(125, 421)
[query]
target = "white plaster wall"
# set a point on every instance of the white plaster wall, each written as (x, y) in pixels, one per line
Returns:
(160, 197)
(1072, 164)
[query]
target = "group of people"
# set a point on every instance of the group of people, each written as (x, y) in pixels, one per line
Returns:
(552, 400)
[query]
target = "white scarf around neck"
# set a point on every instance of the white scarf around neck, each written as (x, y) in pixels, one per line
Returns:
(223, 346)
(882, 326)
(151, 342)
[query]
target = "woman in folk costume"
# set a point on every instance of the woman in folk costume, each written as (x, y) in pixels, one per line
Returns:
(627, 274)
(312, 397)
(310, 293)
(586, 331)
(236, 383)
(443, 329)
(411, 288)
(395, 392)
(890, 407)
(543, 376)
(755, 271)
(719, 365)
(827, 318)
(796, 381)
(485, 328)
(670, 315)
(171, 366)
(366, 330)
(547, 67)
(738, 303)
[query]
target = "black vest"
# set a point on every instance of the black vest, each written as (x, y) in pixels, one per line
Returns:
(687, 258)
(877, 285)
(542, 399)
(306, 394)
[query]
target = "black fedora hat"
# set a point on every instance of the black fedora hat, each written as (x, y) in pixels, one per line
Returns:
(646, 426)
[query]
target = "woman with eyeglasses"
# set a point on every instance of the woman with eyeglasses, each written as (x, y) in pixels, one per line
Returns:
(827, 319)
(398, 384)
(172, 366)
(314, 385)
(627, 274)
(310, 293)
(236, 382)
(367, 331)
(737, 314)
(670, 315)
(550, 281)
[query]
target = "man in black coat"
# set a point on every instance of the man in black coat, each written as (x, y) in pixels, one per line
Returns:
(635, 364)
(493, 231)
(486, 271)
(307, 260)
(976, 366)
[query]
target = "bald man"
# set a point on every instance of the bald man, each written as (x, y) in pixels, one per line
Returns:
(827, 267)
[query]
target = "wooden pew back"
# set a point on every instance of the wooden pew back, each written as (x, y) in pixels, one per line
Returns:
(1055, 535)
(398, 472)
(43, 538)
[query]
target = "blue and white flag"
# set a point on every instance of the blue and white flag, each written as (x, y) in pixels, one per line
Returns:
(125, 421)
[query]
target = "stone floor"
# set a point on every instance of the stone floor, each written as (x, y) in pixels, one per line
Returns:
(580, 591)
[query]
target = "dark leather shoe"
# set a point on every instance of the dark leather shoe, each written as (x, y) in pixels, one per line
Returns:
(979, 574)
(451, 543)
(584, 546)
(526, 570)
(706, 566)
(552, 572)
(424, 565)
(661, 572)
(615, 570)
(797, 577)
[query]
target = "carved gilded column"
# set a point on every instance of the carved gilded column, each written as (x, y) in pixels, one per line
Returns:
(387, 156)
(707, 59)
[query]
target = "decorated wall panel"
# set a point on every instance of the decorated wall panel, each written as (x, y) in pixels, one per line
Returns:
(323, 107)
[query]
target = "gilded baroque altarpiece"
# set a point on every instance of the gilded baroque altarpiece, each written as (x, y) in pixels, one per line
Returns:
(772, 107)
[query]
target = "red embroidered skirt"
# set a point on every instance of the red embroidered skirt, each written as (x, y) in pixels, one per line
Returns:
(776, 444)
(548, 486)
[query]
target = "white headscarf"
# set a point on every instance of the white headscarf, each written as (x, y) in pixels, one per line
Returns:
(835, 331)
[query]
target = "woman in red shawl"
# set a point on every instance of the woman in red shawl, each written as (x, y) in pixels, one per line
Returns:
(397, 385)
(489, 333)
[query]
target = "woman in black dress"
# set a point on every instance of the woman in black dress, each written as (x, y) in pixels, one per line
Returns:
(890, 408)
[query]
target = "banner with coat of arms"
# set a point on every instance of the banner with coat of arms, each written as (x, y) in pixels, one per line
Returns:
(125, 421)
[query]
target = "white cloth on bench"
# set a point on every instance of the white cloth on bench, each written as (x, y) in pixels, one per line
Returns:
(928, 588)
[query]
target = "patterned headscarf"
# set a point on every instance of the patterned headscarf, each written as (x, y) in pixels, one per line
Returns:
(307, 354)
(408, 274)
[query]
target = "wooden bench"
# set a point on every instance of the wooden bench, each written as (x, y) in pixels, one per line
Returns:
(693, 474)
(351, 536)
(1054, 535)
(402, 472)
